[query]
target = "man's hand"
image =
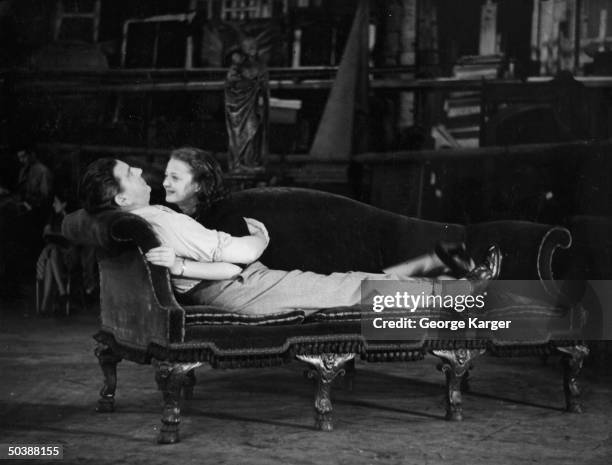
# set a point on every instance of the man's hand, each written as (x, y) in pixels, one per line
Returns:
(166, 257)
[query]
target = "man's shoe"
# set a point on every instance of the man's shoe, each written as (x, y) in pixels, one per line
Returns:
(454, 255)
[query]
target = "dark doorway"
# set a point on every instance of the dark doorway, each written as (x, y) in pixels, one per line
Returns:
(514, 25)
(459, 30)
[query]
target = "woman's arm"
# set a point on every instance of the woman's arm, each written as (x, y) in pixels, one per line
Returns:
(246, 249)
(178, 266)
(191, 239)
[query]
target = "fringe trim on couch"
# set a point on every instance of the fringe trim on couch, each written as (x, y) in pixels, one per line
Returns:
(390, 353)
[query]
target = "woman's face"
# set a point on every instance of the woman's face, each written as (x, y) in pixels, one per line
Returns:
(178, 182)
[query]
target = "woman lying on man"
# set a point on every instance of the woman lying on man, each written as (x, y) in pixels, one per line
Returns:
(194, 182)
(203, 262)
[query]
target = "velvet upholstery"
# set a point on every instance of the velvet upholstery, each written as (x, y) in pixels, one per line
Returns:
(591, 255)
(208, 315)
(309, 230)
(322, 232)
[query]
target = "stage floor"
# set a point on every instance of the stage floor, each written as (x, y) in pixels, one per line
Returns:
(394, 415)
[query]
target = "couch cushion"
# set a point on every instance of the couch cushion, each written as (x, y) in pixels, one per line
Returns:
(206, 315)
(532, 320)
(337, 314)
(358, 312)
(340, 329)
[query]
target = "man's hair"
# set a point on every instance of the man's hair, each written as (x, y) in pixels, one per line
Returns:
(99, 186)
(26, 147)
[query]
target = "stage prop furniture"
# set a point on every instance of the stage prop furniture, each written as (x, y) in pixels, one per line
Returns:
(142, 321)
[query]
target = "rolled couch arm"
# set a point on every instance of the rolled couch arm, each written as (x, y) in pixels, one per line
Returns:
(527, 248)
(137, 305)
(130, 228)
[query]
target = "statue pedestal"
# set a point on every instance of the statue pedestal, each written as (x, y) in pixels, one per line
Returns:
(248, 178)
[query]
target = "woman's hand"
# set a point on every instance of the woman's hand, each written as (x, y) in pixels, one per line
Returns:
(166, 257)
(246, 249)
(257, 228)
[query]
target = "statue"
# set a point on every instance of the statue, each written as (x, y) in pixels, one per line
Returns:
(246, 109)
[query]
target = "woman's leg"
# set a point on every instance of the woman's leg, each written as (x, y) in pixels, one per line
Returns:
(56, 269)
(47, 286)
(424, 265)
(449, 258)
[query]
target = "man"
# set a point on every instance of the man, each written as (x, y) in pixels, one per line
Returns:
(204, 253)
(23, 214)
(202, 261)
(35, 182)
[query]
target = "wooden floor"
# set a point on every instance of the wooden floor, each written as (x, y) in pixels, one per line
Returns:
(394, 415)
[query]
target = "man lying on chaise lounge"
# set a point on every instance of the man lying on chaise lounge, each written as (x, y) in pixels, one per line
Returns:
(204, 263)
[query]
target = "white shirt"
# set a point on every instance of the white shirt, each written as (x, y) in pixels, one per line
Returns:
(186, 236)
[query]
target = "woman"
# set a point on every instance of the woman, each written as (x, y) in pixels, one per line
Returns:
(55, 261)
(59, 258)
(194, 183)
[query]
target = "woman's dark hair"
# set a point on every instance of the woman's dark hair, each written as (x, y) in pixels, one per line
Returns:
(99, 186)
(206, 172)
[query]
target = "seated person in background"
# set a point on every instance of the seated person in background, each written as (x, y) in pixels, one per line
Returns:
(56, 260)
(203, 261)
(59, 258)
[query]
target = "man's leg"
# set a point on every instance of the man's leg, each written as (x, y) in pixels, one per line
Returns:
(260, 290)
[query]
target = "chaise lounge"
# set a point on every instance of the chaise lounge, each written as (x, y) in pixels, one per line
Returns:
(142, 321)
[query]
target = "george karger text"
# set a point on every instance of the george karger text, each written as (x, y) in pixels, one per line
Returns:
(428, 323)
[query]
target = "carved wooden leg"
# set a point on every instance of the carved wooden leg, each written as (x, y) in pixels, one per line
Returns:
(190, 382)
(349, 377)
(171, 377)
(455, 364)
(465, 380)
(108, 362)
(573, 357)
(325, 368)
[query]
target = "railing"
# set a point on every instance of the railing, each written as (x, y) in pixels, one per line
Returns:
(212, 79)
(194, 80)
(151, 89)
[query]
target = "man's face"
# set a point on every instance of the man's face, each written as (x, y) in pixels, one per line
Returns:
(135, 192)
(23, 157)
